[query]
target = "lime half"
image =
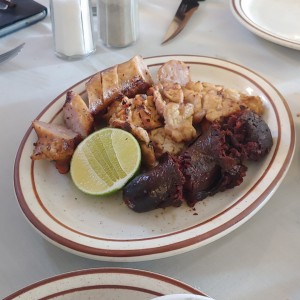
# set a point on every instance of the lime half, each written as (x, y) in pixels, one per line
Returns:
(105, 161)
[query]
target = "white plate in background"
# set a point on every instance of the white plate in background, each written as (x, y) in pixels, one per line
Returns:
(104, 283)
(276, 21)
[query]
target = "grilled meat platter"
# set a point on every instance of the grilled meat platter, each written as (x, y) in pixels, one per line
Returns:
(196, 137)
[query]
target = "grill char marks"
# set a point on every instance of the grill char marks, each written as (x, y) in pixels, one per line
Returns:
(127, 79)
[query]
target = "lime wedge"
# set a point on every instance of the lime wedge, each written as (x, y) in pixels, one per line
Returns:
(105, 161)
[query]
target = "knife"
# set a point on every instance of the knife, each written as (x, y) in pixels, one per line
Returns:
(182, 16)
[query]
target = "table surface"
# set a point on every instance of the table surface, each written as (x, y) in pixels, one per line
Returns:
(258, 260)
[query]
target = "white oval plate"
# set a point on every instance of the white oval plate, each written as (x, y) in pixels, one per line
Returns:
(105, 283)
(105, 229)
(276, 21)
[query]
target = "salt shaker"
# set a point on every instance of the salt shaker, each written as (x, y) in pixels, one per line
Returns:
(118, 22)
(72, 27)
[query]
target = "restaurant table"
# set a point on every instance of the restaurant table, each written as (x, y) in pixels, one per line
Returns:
(258, 260)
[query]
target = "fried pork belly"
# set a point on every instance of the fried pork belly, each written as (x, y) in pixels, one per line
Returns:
(127, 79)
(55, 142)
(174, 71)
(134, 77)
(94, 93)
(110, 85)
(77, 116)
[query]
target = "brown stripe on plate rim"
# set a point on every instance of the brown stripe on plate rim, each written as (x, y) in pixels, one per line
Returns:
(173, 246)
(104, 270)
(101, 287)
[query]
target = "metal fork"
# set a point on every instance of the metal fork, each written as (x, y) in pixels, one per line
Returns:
(11, 53)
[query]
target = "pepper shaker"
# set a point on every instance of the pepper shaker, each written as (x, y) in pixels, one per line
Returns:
(118, 22)
(72, 27)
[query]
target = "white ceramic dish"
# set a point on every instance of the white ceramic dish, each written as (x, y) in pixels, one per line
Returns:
(105, 283)
(276, 21)
(106, 229)
(182, 297)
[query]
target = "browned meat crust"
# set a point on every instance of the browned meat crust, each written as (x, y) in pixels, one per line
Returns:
(55, 142)
(158, 188)
(77, 116)
(251, 134)
(126, 79)
(94, 93)
(213, 163)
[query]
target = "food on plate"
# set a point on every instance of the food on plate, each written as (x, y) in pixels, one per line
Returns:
(104, 161)
(58, 142)
(127, 79)
(55, 143)
(77, 116)
(213, 163)
(166, 118)
(174, 71)
(194, 136)
(159, 187)
(138, 116)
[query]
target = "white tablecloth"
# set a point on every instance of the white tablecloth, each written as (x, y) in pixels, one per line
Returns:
(259, 260)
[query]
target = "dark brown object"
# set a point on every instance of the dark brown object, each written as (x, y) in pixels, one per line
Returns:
(213, 163)
(157, 188)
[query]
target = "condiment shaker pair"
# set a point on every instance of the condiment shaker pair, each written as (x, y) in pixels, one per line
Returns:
(72, 25)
